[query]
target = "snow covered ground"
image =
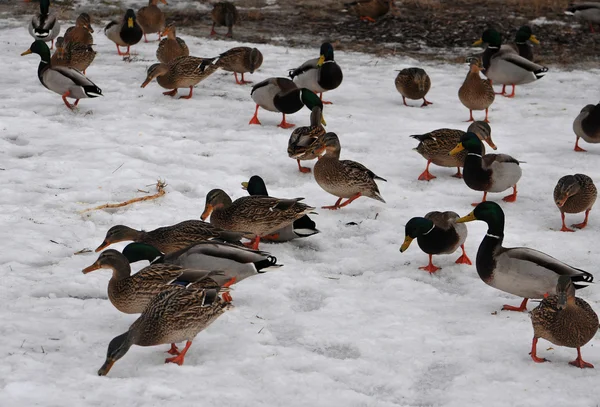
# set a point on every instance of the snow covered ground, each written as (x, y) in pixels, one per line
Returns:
(349, 320)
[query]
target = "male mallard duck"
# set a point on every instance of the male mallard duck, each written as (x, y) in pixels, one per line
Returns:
(564, 320)
(125, 33)
(172, 316)
(43, 25)
(319, 74)
(67, 82)
(476, 93)
(435, 146)
(413, 83)
(168, 239)
(503, 66)
(224, 13)
(304, 140)
(82, 31)
(182, 72)
(302, 227)
(73, 54)
(588, 11)
(151, 18)
(519, 271)
(369, 10)
(282, 95)
(523, 36)
(131, 294)
(437, 233)
(172, 46)
(587, 125)
(490, 172)
(258, 215)
(343, 178)
(575, 194)
(240, 60)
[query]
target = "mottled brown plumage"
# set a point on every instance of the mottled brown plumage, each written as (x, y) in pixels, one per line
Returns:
(369, 10)
(224, 14)
(171, 47)
(413, 83)
(82, 31)
(73, 54)
(476, 93)
(240, 60)
(587, 125)
(151, 18)
(305, 140)
(575, 194)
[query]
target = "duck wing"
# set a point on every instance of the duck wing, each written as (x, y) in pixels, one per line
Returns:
(508, 55)
(307, 66)
(443, 220)
(355, 167)
(239, 254)
(489, 159)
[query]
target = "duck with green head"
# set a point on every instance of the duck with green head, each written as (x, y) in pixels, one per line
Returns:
(520, 271)
(124, 33)
(43, 25)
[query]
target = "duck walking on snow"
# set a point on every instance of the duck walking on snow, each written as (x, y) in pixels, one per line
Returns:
(125, 33)
(575, 194)
(43, 25)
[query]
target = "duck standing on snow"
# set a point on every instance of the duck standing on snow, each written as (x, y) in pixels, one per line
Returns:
(369, 10)
(437, 233)
(575, 194)
(519, 271)
(172, 46)
(225, 14)
(588, 11)
(305, 140)
(151, 18)
(476, 93)
(320, 74)
(240, 60)
(490, 172)
(73, 54)
(81, 32)
(43, 25)
(413, 83)
(523, 36)
(67, 82)
(125, 33)
(587, 125)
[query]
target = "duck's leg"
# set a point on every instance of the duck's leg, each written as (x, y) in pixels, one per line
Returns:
(430, 267)
(592, 27)
(302, 169)
(470, 116)
(212, 30)
(244, 81)
(503, 91)
(226, 296)
(171, 92)
(584, 223)
(486, 116)
(64, 98)
(512, 197)
(325, 102)
(174, 350)
(254, 243)
(52, 45)
(404, 101)
(564, 226)
(580, 362)
(334, 206)
(119, 50)
(84, 71)
(577, 148)
(229, 32)
(284, 124)
(254, 119)
(426, 103)
(349, 200)
(370, 20)
(483, 200)
(426, 175)
(190, 95)
(520, 308)
(534, 351)
(179, 358)
(458, 174)
(512, 95)
(76, 102)
(145, 39)
(463, 259)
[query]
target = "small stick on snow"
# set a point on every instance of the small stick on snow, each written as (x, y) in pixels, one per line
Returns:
(160, 188)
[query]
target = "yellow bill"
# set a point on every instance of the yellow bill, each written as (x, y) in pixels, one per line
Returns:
(478, 42)
(323, 122)
(130, 22)
(245, 185)
(321, 60)
(534, 39)
(26, 52)
(469, 218)
(407, 241)
(459, 147)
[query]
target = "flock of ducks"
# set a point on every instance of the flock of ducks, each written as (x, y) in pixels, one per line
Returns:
(193, 264)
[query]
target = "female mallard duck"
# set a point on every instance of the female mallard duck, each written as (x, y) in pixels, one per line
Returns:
(282, 95)
(258, 215)
(435, 146)
(151, 18)
(43, 25)
(81, 32)
(172, 46)
(343, 178)
(564, 320)
(172, 316)
(437, 233)
(67, 82)
(369, 10)
(240, 60)
(130, 294)
(305, 140)
(575, 194)
(72, 54)
(302, 227)
(182, 72)
(413, 83)
(587, 125)
(169, 239)
(234, 261)
(476, 93)
(490, 172)
(503, 66)
(224, 13)
(320, 74)
(519, 271)
(588, 11)
(125, 33)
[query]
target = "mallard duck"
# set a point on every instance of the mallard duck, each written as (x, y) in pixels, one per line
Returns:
(503, 66)
(151, 18)
(588, 11)
(435, 146)
(282, 95)
(172, 316)
(575, 194)
(67, 82)
(234, 261)
(73, 54)
(82, 31)
(224, 13)
(302, 227)
(343, 178)
(131, 294)
(520, 271)
(172, 46)
(564, 320)
(320, 74)
(304, 140)
(125, 33)
(437, 233)
(259, 215)
(587, 125)
(521, 45)
(369, 10)
(240, 60)
(413, 83)
(490, 172)
(476, 93)
(168, 239)
(182, 72)
(43, 25)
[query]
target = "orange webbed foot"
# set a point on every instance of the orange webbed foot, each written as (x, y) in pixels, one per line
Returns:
(426, 176)
(464, 259)
(430, 268)
(580, 363)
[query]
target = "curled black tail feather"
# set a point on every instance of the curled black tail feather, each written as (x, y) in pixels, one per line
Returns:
(270, 261)
(585, 277)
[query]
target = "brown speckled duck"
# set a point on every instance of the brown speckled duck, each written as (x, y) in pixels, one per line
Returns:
(587, 125)
(73, 54)
(81, 32)
(304, 140)
(575, 194)
(369, 10)
(224, 14)
(413, 83)
(151, 18)
(240, 60)
(476, 93)
(171, 47)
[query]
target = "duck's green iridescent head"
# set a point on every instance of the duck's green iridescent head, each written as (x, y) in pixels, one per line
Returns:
(488, 212)
(41, 48)
(525, 34)
(255, 186)
(490, 37)
(414, 228)
(326, 53)
(311, 100)
(470, 142)
(135, 252)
